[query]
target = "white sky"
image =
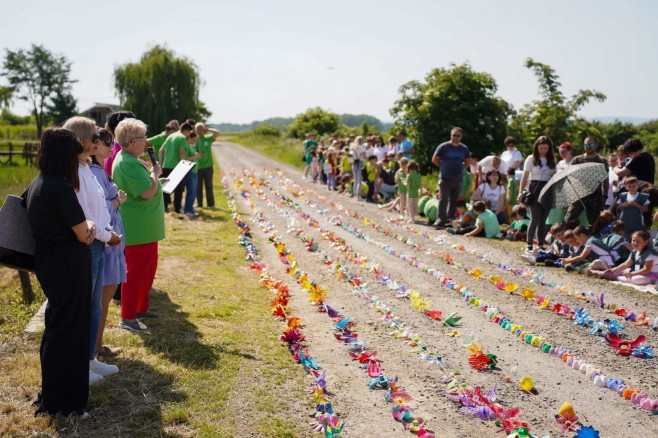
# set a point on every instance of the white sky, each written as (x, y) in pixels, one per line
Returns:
(269, 58)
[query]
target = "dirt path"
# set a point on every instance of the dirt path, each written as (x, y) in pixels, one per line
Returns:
(366, 411)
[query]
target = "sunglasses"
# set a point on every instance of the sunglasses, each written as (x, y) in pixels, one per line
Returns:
(95, 138)
(108, 142)
(589, 145)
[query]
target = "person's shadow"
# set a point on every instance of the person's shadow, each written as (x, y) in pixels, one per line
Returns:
(179, 340)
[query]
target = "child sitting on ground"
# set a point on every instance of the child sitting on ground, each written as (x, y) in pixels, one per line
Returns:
(556, 250)
(519, 226)
(620, 248)
(640, 267)
(466, 221)
(486, 222)
(595, 254)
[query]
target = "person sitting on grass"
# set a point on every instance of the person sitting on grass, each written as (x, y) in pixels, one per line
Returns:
(486, 222)
(595, 254)
(466, 220)
(620, 248)
(640, 268)
(519, 225)
(556, 250)
(413, 184)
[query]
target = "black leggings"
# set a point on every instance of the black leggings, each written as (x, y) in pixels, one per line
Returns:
(538, 215)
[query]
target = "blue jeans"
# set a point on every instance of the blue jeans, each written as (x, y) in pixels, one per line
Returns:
(190, 192)
(97, 249)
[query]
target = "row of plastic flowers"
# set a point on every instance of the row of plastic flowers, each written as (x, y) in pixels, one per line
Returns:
(529, 337)
(472, 399)
(395, 394)
(607, 328)
(637, 318)
(326, 420)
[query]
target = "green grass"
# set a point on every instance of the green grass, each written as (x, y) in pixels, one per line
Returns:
(17, 133)
(211, 365)
(286, 150)
(14, 179)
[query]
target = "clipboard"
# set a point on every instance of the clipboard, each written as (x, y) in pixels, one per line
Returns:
(177, 175)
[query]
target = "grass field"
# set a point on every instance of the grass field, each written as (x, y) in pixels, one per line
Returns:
(210, 366)
(14, 179)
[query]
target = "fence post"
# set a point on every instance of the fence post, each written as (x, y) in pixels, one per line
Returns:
(26, 286)
(11, 152)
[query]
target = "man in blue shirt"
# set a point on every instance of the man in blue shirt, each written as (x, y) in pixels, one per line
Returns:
(450, 157)
(405, 145)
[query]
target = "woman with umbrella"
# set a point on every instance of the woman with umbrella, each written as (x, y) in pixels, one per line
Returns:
(537, 170)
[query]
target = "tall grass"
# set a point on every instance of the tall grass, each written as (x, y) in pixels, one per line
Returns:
(14, 179)
(18, 132)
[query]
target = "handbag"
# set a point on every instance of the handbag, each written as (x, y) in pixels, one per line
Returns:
(17, 242)
(529, 195)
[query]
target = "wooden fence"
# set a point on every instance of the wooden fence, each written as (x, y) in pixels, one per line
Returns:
(28, 152)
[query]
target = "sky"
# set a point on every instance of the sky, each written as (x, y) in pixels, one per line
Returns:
(265, 58)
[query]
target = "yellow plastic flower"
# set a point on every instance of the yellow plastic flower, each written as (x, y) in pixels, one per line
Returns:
(528, 293)
(476, 273)
(511, 287)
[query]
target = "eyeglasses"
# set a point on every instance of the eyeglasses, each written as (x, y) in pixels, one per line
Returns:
(589, 145)
(108, 142)
(95, 138)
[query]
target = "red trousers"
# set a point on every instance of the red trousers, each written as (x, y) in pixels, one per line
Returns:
(141, 264)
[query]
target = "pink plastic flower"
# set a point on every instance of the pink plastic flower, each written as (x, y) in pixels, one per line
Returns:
(568, 422)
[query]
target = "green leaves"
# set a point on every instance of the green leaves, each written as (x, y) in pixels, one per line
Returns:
(448, 97)
(36, 76)
(315, 120)
(160, 87)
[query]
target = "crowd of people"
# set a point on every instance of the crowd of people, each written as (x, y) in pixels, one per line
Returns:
(605, 233)
(97, 213)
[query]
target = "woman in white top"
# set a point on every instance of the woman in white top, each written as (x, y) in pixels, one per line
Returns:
(537, 170)
(92, 200)
(494, 192)
(358, 152)
(511, 157)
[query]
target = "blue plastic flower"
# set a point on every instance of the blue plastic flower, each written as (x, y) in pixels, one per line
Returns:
(643, 352)
(615, 326)
(587, 432)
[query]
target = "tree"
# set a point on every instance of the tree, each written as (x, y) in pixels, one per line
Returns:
(160, 87)
(62, 107)
(315, 120)
(448, 97)
(36, 76)
(553, 114)
(6, 96)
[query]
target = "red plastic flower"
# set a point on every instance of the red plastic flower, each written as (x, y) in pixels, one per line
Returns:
(568, 422)
(479, 361)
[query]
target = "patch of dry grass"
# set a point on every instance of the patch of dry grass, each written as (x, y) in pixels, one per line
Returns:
(211, 365)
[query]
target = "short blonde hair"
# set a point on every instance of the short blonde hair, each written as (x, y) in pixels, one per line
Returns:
(82, 127)
(129, 129)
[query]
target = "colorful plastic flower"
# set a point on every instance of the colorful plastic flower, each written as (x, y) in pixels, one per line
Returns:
(587, 432)
(528, 293)
(568, 422)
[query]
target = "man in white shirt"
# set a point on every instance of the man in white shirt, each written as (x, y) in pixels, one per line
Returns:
(511, 158)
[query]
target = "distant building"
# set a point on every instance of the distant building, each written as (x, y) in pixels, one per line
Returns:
(99, 112)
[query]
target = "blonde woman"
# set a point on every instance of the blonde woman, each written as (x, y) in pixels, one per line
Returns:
(143, 221)
(92, 200)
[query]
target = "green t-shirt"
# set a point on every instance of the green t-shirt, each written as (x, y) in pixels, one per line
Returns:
(466, 185)
(371, 171)
(490, 222)
(432, 209)
(413, 179)
(345, 164)
(513, 190)
(518, 224)
(143, 219)
(157, 141)
(309, 145)
(189, 152)
(173, 144)
(204, 145)
(399, 177)
(421, 204)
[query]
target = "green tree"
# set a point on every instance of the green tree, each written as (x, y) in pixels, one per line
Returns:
(267, 129)
(553, 114)
(6, 96)
(160, 87)
(62, 106)
(448, 97)
(315, 120)
(37, 76)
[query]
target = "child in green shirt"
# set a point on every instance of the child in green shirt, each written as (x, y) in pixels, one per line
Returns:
(413, 184)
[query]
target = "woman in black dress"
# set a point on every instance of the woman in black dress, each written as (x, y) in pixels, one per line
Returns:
(62, 262)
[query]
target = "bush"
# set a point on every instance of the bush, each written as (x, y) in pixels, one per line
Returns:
(267, 129)
(315, 120)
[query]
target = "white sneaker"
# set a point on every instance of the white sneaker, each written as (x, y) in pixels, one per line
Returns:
(94, 378)
(532, 260)
(102, 369)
